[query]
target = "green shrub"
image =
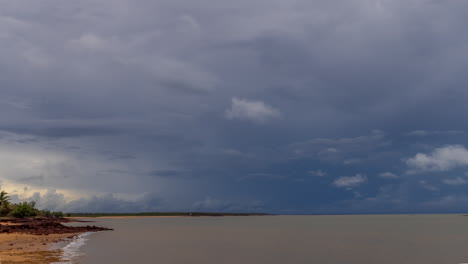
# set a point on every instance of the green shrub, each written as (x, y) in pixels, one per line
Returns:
(5, 209)
(57, 214)
(49, 214)
(44, 213)
(24, 210)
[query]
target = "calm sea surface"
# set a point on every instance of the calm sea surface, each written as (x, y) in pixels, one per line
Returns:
(438, 239)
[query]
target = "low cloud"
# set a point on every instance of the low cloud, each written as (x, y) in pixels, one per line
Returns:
(341, 149)
(105, 203)
(89, 41)
(168, 173)
(422, 133)
(441, 159)
(351, 161)
(388, 175)
(350, 181)
(455, 181)
(255, 111)
(428, 186)
(262, 176)
(318, 173)
(219, 205)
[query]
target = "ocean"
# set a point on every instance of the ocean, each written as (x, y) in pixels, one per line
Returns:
(363, 239)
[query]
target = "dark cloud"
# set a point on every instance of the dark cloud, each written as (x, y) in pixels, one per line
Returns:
(38, 180)
(168, 173)
(61, 132)
(183, 99)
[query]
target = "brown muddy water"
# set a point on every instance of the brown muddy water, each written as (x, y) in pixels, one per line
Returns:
(383, 239)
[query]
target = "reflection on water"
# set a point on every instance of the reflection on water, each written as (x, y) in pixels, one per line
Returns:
(282, 239)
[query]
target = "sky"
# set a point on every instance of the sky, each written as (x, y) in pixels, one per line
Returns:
(276, 106)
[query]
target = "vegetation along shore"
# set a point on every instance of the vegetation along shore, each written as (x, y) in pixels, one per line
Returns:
(27, 233)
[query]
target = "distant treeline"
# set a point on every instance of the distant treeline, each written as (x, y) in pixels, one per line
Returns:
(162, 214)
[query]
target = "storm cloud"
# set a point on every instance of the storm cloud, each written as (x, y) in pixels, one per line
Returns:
(131, 105)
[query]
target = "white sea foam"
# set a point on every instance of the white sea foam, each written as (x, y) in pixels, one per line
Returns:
(72, 250)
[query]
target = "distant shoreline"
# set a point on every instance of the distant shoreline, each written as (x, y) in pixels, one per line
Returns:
(158, 214)
(124, 217)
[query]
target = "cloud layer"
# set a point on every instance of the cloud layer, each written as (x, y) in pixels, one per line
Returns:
(350, 181)
(255, 111)
(234, 105)
(441, 159)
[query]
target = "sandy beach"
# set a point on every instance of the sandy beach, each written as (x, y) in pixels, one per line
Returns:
(37, 240)
(27, 248)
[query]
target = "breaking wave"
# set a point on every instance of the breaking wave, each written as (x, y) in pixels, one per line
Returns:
(71, 251)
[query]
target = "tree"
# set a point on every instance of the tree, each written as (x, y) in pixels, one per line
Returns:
(4, 199)
(5, 207)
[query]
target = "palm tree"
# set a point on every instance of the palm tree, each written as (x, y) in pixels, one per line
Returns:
(4, 199)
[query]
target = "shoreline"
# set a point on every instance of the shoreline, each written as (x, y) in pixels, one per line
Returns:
(28, 248)
(38, 240)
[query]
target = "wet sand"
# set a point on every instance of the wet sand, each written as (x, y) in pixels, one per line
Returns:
(36, 240)
(27, 248)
